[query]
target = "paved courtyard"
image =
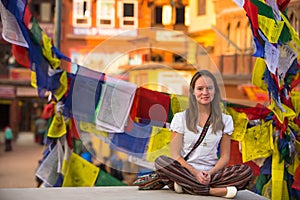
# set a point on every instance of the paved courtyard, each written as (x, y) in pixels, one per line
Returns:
(17, 168)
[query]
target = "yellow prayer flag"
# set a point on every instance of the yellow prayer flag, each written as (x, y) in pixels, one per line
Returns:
(91, 128)
(258, 142)
(62, 89)
(294, 35)
(267, 189)
(258, 74)
(33, 79)
(159, 143)
(278, 184)
(295, 96)
(281, 114)
(47, 52)
(80, 173)
(57, 127)
(270, 27)
(240, 122)
(179, 103)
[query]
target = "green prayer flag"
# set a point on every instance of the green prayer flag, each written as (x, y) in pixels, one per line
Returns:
(105, 179)
(36, 32)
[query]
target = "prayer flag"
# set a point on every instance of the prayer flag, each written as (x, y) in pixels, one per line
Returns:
(57, 127)
(178, 103)
(13, 27)
(115, 104)
(80, 173)
(48, 170)
(252, 13)
(282, 114)
(159, 143)
(258, 141)
(133, 142)
(153, 105)
(105, 179)
(21, 55)
(278, 182)
(63, 86)
(47, 52)
(240, 122)
(84, 94)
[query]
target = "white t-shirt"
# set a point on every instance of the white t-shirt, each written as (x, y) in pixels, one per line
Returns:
(204, 157)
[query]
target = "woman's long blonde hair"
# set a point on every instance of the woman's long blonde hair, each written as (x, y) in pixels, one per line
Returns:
(192, 112)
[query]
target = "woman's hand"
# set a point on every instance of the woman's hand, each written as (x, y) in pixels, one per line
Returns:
(202, 176)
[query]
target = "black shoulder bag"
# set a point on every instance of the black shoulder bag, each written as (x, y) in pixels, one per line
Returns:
(200, 139)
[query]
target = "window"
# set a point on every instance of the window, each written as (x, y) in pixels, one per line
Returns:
(128, 14)
(248, 39)
(82, 13)
(180, 11)
(201, 7)
(238, 33)
(42, 11)
(158, 14)
(228, 36)
(105, 13)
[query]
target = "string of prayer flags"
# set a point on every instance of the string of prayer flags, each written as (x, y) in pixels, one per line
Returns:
(80, 173)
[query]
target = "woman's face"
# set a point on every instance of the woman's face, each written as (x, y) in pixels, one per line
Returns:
(204, 90)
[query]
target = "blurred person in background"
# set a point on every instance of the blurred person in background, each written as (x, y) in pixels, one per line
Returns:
(8, 138)
(41, 125)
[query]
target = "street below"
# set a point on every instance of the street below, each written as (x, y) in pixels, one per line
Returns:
(17, 167)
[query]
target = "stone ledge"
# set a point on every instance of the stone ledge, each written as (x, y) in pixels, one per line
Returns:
(111, 193)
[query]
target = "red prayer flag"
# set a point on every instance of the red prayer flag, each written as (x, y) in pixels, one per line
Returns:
(282, 4)
(153, 105)
(252, 12)
(21, 55)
